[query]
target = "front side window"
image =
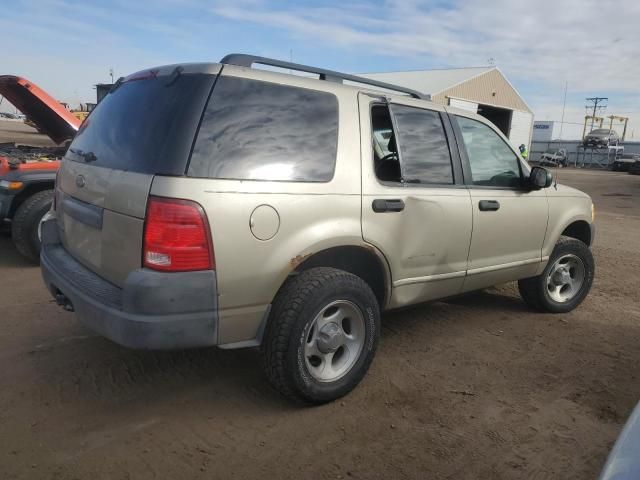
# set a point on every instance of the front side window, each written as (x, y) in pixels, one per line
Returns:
(254, 130)
(492, 162)
(417, 152)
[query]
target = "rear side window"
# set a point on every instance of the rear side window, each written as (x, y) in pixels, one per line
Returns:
(254, 130)
(424, 151)
(144, 126)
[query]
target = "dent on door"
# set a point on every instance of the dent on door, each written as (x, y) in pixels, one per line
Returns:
(426, 244)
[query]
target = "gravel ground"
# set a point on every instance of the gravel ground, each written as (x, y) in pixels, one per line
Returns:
(477, 387)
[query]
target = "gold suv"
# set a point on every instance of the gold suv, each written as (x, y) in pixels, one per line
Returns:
(220, 204)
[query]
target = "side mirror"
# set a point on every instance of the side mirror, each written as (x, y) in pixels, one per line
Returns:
(540, 178)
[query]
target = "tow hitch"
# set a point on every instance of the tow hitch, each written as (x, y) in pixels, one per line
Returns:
(64, 302)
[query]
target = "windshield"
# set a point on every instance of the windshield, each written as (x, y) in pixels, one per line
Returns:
(144, 126)
(600, 131)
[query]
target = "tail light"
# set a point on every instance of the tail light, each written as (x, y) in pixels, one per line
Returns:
(176, 236)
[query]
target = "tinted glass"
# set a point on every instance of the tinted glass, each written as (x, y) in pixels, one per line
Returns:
(385, 156)
(145, 126)
(492, 162)
(424, 151)
(255, 130)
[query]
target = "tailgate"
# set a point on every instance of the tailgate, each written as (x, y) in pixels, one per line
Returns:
(101, 217)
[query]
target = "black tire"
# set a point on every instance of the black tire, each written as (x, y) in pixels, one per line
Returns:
(25, 222)
(299, 301)
(534, 290)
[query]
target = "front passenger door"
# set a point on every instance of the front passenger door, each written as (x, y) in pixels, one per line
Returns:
(509, 220)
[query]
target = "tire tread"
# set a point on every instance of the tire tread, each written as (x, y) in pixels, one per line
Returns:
(532, 289)
(22, 227)
(285, 313)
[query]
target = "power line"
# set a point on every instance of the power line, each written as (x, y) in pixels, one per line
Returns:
(597, 106)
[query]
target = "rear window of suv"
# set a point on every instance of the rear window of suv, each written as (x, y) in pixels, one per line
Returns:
(144, 126)
(254, 130)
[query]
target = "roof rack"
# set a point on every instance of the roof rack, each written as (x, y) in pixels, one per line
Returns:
(244, 60)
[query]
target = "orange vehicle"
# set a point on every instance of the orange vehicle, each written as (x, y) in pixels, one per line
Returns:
(27, 173)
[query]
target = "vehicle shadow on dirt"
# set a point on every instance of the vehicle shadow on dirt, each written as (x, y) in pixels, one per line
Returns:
(91, 370)
(86, 368)
(9, 256)
(501, 300)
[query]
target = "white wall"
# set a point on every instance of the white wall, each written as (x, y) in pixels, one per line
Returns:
(543, 131)
(521, 127)
(464, 105)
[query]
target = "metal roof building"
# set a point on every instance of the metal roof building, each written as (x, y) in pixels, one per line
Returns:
(484, 90)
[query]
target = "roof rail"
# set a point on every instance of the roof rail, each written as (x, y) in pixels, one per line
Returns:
(244, 60)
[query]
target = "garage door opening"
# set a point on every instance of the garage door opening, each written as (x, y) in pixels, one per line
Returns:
(500, 117)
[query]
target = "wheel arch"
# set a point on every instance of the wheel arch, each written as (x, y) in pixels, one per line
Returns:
(364, 261)
(580, 230)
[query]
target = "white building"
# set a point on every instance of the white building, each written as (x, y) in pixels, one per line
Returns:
(484, 90)
(545, 131)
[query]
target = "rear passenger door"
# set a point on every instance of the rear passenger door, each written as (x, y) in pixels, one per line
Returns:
(509, 219)
(415, 206)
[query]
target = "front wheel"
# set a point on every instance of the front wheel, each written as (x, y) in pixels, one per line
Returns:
(566, 280)
(322, 335)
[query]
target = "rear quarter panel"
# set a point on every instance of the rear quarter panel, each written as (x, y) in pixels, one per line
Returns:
(250, 271)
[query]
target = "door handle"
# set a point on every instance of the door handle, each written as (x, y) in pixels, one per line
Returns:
(489, 205)
(381, 205)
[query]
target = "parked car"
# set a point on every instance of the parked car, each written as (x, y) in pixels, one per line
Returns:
(601, 138)
(624, 162)
(27, 173)
(218, 204)
(9, 116)
(554, 158)
(624, 460)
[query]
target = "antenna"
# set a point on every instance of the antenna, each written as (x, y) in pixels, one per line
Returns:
(564, 104)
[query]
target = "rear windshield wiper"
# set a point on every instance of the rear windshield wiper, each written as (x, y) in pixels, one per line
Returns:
(88, 157)
(174, 76)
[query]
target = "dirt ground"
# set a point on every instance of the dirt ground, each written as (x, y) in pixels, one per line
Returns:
(478, 387)
(17, 131)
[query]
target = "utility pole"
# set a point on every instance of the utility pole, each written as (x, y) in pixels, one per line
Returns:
(597, 105)
(564, 104)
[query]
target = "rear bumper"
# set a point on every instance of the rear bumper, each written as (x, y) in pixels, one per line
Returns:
(153, 310)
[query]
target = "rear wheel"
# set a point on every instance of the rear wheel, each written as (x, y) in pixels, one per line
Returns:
(25, 225)
(322, 335)
(566, 280)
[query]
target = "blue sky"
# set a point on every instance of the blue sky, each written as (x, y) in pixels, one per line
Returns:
(66, 46)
